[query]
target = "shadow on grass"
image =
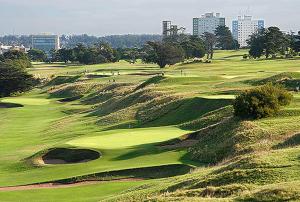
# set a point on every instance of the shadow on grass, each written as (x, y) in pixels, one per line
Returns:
(5, 105)
(153, 149)
(291, 142)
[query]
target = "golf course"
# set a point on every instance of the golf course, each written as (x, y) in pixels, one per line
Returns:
(136, 132)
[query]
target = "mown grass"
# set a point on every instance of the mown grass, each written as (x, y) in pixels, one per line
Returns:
(128, 120)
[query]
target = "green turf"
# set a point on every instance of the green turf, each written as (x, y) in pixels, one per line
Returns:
(126, 120)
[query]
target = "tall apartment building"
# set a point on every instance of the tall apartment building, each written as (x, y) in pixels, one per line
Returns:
(170, 30)
(46, 43)
(244, 27)
(166, 28)
(207, 23)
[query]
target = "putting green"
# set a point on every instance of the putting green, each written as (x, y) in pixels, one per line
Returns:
(27, 101)
(120, 139)
(216, 97)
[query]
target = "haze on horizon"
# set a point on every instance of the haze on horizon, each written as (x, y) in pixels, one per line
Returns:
(99, 17)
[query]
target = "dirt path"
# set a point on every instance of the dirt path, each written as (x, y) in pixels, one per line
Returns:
(58, 185)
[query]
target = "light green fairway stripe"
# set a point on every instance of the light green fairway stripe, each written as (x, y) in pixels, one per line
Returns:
(118, 139)
(27, 101)
(87, 193)
(218, 97)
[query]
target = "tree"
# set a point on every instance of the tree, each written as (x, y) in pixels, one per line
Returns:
(15, 55)
(14, 78)
(275, 41)
(193, 47)
(66, 55)
(163, 53)
(225, 39)
(210, 41)
(37, 55)
(17, 58)
(106, 51)
(296, 42)
(257, 44)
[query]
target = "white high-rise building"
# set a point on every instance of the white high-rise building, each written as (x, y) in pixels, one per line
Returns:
(244, 27)
(207, 23)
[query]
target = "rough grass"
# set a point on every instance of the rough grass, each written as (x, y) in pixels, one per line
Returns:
(128, 122)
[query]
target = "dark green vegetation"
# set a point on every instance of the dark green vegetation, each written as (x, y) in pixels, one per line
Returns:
(272, 42)
(116, 41)
(97, 54)
(172, 137)
(16, 58)
(14, 78)
(225, 40)
(261, 102)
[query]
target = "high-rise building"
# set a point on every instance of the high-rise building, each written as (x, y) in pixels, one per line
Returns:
(207, 23)
(244, 27)
(170, 30)
(46, 43)
(166, 28)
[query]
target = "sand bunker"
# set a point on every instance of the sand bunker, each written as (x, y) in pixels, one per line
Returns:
(9, 105)
(69, 156)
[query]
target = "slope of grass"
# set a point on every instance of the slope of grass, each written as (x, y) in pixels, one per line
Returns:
(129, 120)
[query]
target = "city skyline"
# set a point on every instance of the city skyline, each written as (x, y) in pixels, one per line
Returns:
(134, 17)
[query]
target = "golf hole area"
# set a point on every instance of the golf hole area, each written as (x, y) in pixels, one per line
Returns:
(69, 156)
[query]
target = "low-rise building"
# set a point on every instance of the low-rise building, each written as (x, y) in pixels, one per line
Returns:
(4, 49)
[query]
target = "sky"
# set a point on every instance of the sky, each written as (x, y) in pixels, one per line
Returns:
(109, 17)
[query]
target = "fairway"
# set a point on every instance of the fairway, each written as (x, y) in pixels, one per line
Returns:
(147, 128)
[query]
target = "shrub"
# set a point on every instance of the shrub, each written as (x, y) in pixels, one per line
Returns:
(261, 102)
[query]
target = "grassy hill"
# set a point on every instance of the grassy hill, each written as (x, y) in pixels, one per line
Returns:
(159, 138)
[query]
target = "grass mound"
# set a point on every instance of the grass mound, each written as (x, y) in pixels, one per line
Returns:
(153, 80)
(71, 99)
(155, 172)
(291, 80)
(73, 89)
(64, 155)
(63, 80)
(282, 192)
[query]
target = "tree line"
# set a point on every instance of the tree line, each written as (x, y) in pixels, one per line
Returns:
(272, 42)
(177, 48)
(71, 41)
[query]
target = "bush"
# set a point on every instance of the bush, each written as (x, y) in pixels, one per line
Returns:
(261, 102)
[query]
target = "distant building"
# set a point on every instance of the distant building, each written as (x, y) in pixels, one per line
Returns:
(46, 43)
(4, 49)
(170, 30)
(166, 28)
(244, 27)
(207, 23)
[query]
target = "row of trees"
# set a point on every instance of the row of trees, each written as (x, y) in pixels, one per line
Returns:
(71, 41)
(176, 48)
(99, 53)
(271, 42)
